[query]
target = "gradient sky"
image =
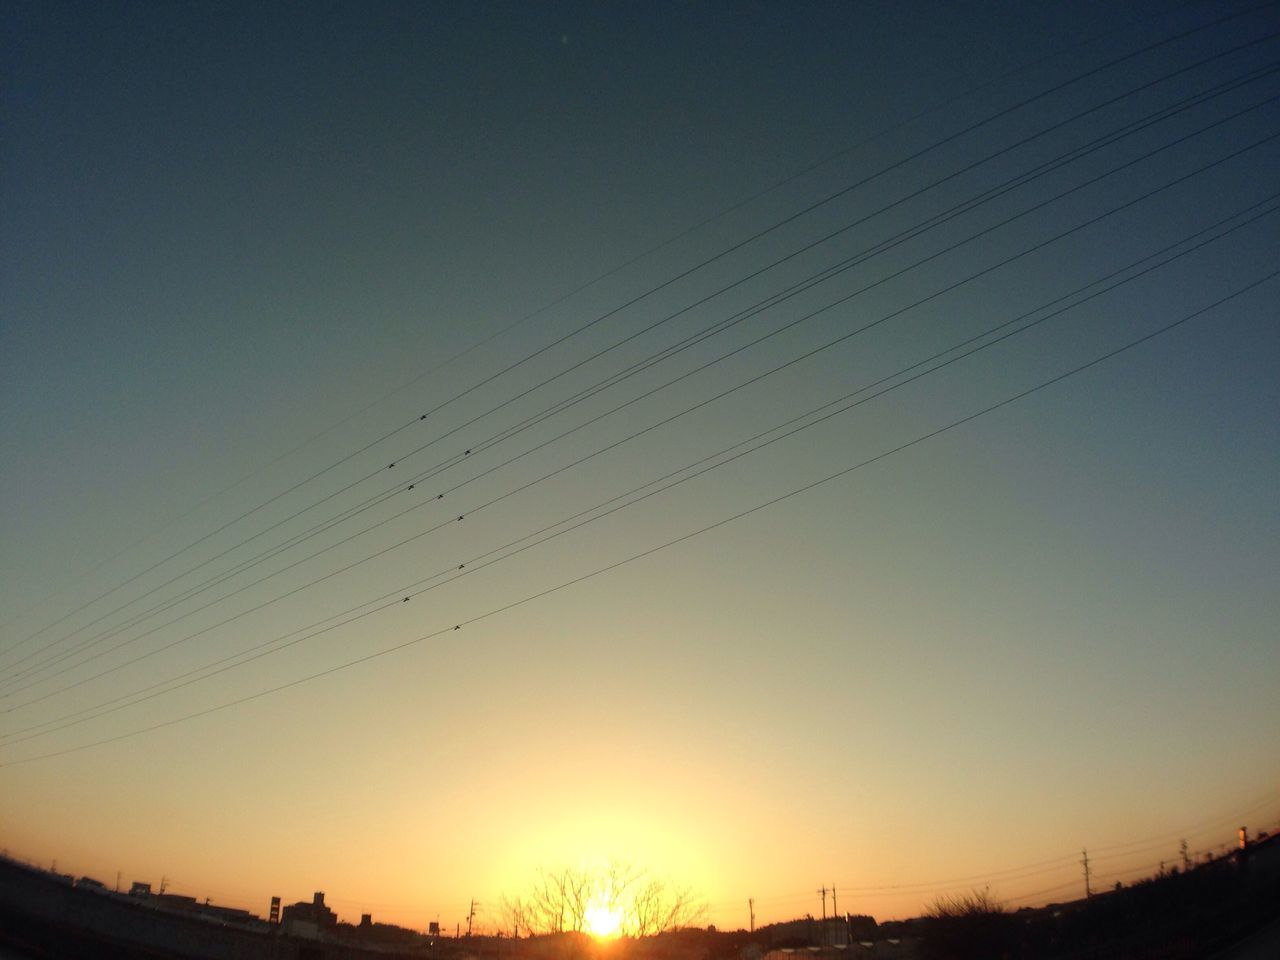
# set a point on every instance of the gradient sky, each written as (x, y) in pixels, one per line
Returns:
(242, 243)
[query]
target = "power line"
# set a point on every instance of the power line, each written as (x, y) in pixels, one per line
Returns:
(1192, 829)
(936, 356)
(446, 522)
(1132, 344)
(844, 191)
(23, 675)
(1019, 873)
(456, 460)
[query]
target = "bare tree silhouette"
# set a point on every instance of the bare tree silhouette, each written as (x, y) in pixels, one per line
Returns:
(558, 902)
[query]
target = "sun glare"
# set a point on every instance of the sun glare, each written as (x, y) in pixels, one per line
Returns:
(603, 921)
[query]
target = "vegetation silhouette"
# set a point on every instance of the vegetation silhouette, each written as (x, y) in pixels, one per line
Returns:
(968, 926)
(567, 901)
(1177, 915)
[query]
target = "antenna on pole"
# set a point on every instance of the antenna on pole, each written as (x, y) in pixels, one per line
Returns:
(1088, 891)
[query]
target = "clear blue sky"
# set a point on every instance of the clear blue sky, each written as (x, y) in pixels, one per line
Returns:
(241, 244)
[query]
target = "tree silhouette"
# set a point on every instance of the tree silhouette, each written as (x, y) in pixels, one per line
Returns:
(558, 901)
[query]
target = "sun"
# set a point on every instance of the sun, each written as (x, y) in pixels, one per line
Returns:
(603, 921)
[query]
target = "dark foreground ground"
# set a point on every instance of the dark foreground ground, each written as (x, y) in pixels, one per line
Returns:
(1225, 910)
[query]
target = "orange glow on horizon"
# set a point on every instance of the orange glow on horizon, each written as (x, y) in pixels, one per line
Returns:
(603, 921)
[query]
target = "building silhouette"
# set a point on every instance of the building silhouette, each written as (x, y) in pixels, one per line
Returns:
(307, 919)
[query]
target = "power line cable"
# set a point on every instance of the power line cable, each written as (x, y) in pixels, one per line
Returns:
(403, 594)
(738, 205)
(1190, 830)
(791, 218)
(1059, 863)
(845, 337)
(829, 272)
(1096, 144)
(137, 618)
(669, 543)
(647, 329)
(23, 675)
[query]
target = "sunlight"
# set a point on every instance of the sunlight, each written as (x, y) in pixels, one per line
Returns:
(603, 921)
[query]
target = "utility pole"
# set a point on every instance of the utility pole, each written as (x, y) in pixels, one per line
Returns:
(835, 910)
(471, 916)
(1186, 859)
(751, 907)
(823, 891)
(164, 884)
(1088, 891)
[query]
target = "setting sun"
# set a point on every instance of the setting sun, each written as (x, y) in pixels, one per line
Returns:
(663, 481)
(603, 921)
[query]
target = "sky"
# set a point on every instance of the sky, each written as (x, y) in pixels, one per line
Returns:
(332, 335)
